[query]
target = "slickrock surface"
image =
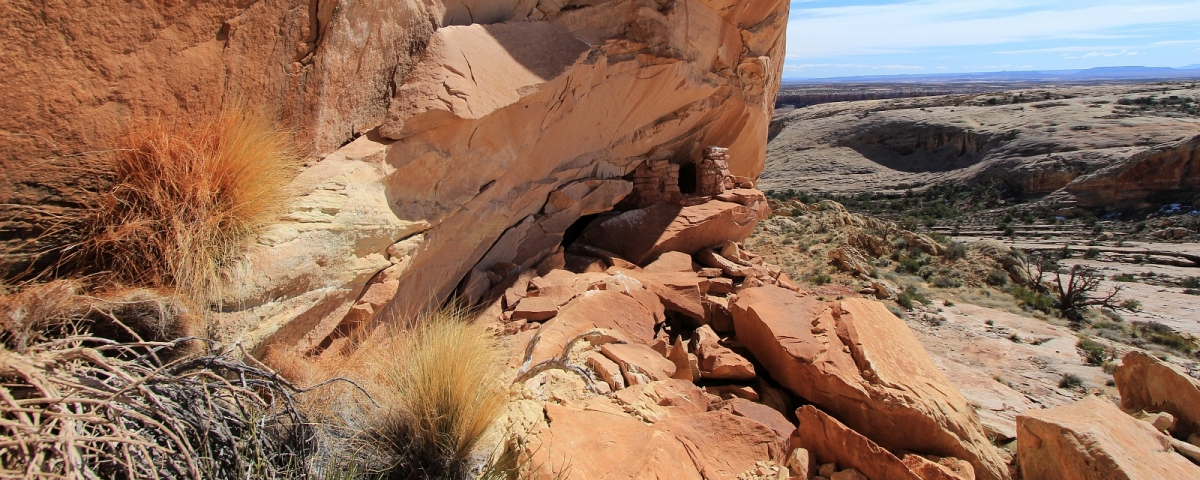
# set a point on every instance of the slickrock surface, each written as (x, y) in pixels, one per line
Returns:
(1094, 440)
(1076, 143)
(861, 363)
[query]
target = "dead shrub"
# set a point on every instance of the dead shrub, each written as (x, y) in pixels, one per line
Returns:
(183, 203)
(88, 407)
(38, 313)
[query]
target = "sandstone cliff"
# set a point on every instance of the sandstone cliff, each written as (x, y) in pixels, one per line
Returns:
(471, 118)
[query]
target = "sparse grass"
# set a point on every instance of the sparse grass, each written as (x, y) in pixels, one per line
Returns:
(820, 279)
(1161, 334)
(184, 202)
(1094, 352)
(446, 374)
(1125, 277)
(1190, 282)
(1070, 381)
(956, 250)
(910, 297)
(945, 282)
(1033, 300)
(997, 278)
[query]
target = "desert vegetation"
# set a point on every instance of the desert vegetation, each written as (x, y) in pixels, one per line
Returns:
(182, 202)
(910, 263)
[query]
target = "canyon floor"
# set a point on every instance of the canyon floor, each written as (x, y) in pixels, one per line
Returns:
(1072, 141)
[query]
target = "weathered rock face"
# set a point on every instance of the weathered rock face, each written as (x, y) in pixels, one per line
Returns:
(856, 360)
(1148, 384)
(78, 74)
(494, 128)
(485, 129)
(1093, 439)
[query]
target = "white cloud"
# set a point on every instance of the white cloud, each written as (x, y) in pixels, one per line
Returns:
(919, 24)
(1122, 53)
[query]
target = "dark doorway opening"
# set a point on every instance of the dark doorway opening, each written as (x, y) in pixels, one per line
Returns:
(576, 229)
(687, 179)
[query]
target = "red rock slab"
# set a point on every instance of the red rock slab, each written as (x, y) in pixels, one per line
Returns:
(678, 291)
(639, 364)
(1145, 383)
(587, 444)
(604, 309)
(607, 370)
(765, 415)
(644, 234)
(716, 285)
(1093, 440)
(946, 468)
(672, 397)
(672, 262)
(856, 360)
(831, 441)
(723, 445)
(535, 309)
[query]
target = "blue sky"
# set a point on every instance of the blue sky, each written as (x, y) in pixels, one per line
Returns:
(880, 37)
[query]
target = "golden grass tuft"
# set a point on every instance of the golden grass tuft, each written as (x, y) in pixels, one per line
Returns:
(185, 201)
(436, 385)
(447, 374)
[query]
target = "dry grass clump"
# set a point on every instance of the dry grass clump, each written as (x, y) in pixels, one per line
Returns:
(184, 201)
(446, 373)
(433, 386)
(88, 407)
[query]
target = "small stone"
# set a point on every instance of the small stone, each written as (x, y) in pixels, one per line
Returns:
(827, 470)
(800, 463)
(848, 474)
(1162, 421)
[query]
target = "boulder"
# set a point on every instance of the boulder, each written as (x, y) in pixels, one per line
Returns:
(642, 235)
(604, 309)
(946, 468)
(765, 415)
(639, 363)
(858, 361)
(659, 400)
(801, 465)
(678, 291)
(1092, 439)
(535, 309)
(1146, 383)
(718, 362)
(830, 441)
(590, 443)
(607, 370)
